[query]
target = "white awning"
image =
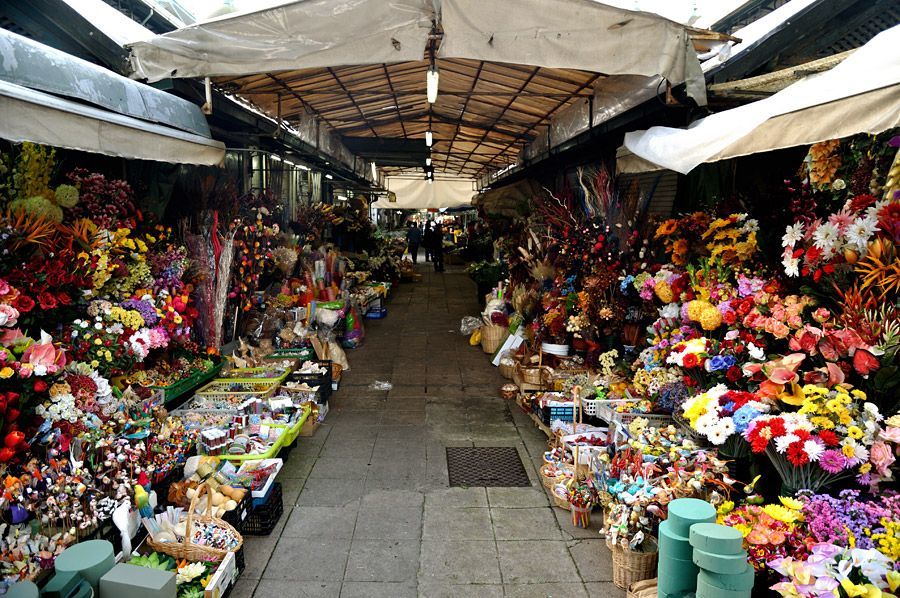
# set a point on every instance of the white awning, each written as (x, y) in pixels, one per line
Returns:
(575, 34)
(418, 194)
(29, 115)
(859, 95)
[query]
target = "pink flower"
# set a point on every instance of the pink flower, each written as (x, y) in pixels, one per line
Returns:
(8, 337)
(4, 287)
(44, 358)
(821, 314)
(890, 434)
(8, 315)
(881, 457)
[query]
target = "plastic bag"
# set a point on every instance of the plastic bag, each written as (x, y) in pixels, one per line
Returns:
(468, 325)
(354, 330)
(381, 385)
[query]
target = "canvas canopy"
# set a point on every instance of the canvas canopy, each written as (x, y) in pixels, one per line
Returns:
(577, 34)
(859, 95)
(417, 194)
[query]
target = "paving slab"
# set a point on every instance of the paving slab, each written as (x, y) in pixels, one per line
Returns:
(459, 562)
(457, 523)
(383, 560)
(535, 561)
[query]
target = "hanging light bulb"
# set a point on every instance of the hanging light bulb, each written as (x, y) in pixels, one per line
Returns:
(427, 161)
(432, 79)
(428, 138)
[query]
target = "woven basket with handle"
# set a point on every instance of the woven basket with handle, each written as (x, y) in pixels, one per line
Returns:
(492, 336)
(534, 374)
(195, 552)
(630, 566)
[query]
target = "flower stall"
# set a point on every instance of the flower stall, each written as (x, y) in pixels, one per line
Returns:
(112, 382)
(706, 355)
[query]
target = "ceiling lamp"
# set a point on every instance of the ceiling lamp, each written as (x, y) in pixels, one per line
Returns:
(432, 78)
(429, 138)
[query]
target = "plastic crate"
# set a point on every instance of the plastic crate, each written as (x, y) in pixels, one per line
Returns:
(265, 513)
(261, 374)
(377, 313)
(257, 388)
(238, 516)
(562, 412)
(323, 381)
(607, 412)
(185, 385)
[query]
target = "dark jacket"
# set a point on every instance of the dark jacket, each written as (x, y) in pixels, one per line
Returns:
(414, 235)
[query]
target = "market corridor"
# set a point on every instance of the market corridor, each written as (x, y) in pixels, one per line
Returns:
(368, 510)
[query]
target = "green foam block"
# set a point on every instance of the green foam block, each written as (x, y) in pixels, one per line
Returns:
(707, 590)
(725, 564)
(23, 589)
(91, 560)
(685, 512)
(737, 582)
(676, 576)
(672, 545)
(717, 539)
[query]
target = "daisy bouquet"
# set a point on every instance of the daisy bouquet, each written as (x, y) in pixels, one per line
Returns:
(806, 458)
(719, 413)
(770, 531)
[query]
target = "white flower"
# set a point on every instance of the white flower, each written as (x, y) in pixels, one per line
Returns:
(726, 425)
(783, 442)
(793, 234)
(755, 352)
(717, 436)
(717, 391)
(670, 310)
(83, 324)
(732, 334)
(40, 370)
(859, 233)
(872, 409)
(825, 237)
(813, 449)
(791, 266)
(860, 453)
(98, 326)
(751, 226)
(706, 423)
(838, 184)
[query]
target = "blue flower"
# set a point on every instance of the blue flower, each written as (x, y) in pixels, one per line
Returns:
(718, 363)
(743, 416)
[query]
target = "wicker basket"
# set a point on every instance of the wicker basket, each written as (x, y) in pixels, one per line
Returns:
(194, 552)
(507, 371)
(492, 336)
(534, 374)
(642, 589)
(560, 502)
(630, 567)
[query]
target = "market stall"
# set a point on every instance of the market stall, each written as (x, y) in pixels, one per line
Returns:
(704, 356)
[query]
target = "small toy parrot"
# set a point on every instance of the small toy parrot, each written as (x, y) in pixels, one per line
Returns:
(142, 501)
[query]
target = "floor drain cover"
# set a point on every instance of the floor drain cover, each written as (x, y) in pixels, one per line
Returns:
(492, 466)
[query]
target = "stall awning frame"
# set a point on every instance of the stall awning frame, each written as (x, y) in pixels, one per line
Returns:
(29, 115)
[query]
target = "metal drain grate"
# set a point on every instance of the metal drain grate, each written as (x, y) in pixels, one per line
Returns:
(491, 466)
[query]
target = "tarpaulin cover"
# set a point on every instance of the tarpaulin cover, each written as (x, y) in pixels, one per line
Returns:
(418, 194)
(573, 34)
(29, 115)
(305, 34)
(859, 95)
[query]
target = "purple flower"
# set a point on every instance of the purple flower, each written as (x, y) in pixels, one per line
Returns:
(833, 461)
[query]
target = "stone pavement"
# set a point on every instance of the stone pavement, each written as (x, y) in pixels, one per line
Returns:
(368, 510)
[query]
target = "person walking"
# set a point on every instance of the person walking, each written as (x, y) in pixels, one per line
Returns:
(428, 239)
(413, 240)
(437, 248)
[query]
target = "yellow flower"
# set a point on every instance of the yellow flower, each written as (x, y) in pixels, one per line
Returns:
(108, 355)
(854, 432)
(726, 507)
(865, 468)
(95, 364)
(6, 372)
(780, 513)
(857, 393)
(791, 503)
(821, 422)
(844, 417)
(795, 397)
(664, 291)
(833, 405)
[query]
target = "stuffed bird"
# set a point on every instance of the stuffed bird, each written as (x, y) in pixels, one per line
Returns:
(142, 501)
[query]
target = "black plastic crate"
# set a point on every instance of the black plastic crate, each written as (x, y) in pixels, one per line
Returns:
(237, 517)
(323, 381)
(264, 517)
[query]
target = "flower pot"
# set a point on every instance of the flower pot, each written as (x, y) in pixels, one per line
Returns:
(554, 349)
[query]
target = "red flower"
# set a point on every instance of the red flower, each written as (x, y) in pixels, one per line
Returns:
(728, 317)
(688, 381)
(64, 299)
(24, 303)
(47, 300)
(777, 427)
(734, 374)
(829, 438)
(796, 454)
(6, 454)
(690, 361)
(40, 386)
